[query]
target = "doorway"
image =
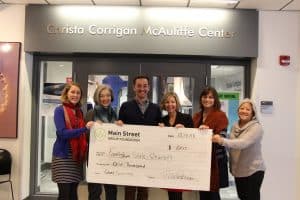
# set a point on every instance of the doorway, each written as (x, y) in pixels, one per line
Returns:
(185, 76)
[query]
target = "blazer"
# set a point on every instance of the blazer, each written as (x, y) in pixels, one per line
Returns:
(181, 118)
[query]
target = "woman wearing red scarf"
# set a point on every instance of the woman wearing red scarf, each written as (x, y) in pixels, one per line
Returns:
(69, 150)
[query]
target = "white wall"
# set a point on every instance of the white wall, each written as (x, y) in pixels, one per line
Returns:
(12, 22)
(279, 35)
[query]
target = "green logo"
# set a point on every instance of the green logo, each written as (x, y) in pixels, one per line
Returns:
(100, 134)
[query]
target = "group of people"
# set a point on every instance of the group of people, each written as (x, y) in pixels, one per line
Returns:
(72, 130)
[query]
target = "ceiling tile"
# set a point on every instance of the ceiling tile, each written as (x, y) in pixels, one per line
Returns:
(118, 2)
(213, 3)
(25, 1)
(169, 3)
(262, 4)
(83, 2)
(295, 5)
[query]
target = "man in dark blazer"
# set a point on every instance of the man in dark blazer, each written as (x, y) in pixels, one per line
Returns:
(139, 111)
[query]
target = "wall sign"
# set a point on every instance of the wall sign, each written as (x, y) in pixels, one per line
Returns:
(266, 107)
(141, 30)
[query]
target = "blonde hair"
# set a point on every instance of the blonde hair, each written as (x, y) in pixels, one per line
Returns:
(64, 94)
(165, 98)
(98, 91)
(253, 106)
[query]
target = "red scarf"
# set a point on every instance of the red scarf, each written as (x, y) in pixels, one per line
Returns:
(75, 120)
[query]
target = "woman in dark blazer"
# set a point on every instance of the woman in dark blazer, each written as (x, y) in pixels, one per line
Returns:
(211, 117)
(171, 104)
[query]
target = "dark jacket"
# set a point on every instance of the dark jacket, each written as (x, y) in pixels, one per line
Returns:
(130, 113)
(217, 121)
(186, 121)
(181, 118)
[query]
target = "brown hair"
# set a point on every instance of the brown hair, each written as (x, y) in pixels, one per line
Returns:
(165, 98)
(141, 77)
(64, 93)
(206, 91)
(98, 91)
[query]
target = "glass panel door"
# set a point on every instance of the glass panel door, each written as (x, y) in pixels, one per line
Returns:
(229, 81)
(186, 79)
(54, 75)
(118, 74)
(182, 86)
(118, 83)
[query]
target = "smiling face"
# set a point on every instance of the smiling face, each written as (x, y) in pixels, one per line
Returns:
(171, 104)
(74, 95)
(141, 88)
(105, 97)
(208, 101)
(245, 112)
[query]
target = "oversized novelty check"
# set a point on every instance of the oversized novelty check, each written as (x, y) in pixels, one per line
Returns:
(150, 156)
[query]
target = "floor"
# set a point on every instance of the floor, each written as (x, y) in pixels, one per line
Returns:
(48, 186)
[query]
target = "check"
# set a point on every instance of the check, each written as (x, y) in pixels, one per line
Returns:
(150, 156)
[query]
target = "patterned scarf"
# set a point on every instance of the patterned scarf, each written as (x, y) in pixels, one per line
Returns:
(74, 120)
(106, 115)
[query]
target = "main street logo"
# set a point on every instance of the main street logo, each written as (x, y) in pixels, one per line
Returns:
(100, 134)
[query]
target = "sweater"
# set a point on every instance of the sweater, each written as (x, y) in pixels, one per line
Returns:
(245, 149)
(63, 135)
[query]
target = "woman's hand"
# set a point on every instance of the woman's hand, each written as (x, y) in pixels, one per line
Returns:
(217, 139)
(201, 127)
(89, 124)
(119, 123)
(179, 126)
(161, 124)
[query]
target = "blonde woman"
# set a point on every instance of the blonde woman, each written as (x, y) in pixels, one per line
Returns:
(175, 118)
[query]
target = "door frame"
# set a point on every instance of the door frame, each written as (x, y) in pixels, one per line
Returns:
(76, 59)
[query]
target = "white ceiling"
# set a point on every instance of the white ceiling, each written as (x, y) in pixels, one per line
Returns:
(279, 5)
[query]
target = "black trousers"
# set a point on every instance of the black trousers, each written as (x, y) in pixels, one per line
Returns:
(67, 191)
(95, 191)
(248, 188)
(175, 195)
(130, 192)
(207, 195)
